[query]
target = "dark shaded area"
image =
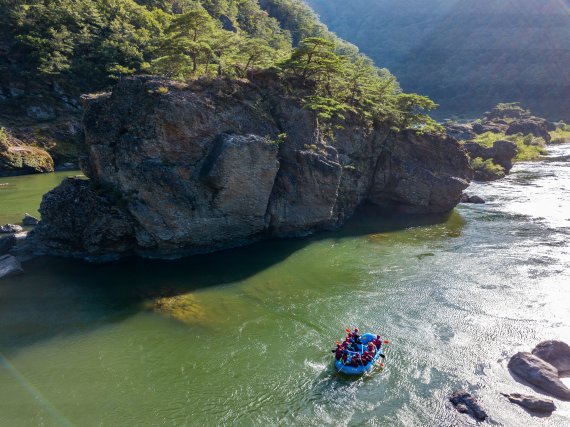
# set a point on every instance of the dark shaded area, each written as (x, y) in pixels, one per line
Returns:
(63, 296)
(466, 55)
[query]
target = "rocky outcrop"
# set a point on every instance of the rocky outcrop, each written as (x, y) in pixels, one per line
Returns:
(493, 127)
(557, 353)
(467, 404)
(177, 169)
(531, 126)
(539, 373)
(17, 158)
(532, 403)
(9, 266)
(501, 153)
(460, 131)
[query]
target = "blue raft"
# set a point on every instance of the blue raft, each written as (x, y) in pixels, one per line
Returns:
(359, 370)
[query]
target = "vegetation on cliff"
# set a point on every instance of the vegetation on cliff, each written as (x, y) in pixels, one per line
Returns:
(86, 45)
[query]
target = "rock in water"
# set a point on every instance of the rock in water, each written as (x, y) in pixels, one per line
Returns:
(9, 266)
(467, 404)
(10, 228)
(29, 220)
(557, 353)
(539, 373)
(209, 165)
(532, 403)
(466, 198)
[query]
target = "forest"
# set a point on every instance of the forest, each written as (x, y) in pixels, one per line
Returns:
(84, 46)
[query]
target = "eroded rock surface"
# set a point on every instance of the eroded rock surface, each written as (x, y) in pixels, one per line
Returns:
(539, 373)
(17, 158)
(193, 168)
(557, 353)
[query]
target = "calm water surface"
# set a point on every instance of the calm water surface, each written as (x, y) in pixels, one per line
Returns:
(247, 342)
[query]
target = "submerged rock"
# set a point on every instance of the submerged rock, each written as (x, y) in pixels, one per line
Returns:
(10, 228)
(467, 404)
(9, 266)
(532, 403)
(212, 165)
(539, 373)
(557, 353)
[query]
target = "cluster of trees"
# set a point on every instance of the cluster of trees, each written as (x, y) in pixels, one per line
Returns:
(88, 43)
(343, 84)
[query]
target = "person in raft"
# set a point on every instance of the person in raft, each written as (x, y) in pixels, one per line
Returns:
(377, 342)
(356, 360)
(340, 350)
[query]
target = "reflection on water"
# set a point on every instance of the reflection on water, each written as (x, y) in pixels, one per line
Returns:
(243, 337)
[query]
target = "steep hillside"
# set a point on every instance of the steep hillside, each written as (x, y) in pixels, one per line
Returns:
(465, 55)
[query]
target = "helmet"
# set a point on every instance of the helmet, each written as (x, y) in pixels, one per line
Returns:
(355, 329)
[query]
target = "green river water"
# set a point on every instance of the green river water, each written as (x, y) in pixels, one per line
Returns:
(250, 336)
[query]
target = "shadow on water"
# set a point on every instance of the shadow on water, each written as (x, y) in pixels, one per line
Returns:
(61, 296)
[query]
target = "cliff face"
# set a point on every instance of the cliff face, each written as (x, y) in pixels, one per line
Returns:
(177, 169)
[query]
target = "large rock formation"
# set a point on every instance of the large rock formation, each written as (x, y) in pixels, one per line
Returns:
(539, 373)
(501, 153)
(177, 169)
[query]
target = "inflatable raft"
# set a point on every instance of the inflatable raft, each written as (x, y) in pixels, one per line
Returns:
(359, 370)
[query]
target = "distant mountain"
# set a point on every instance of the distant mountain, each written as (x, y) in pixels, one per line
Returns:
(467, 55)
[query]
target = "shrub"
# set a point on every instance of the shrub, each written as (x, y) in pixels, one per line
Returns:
(486, 170)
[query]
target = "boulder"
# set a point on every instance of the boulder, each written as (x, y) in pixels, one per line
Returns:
(10, 228)
(539, 373)
(465, 403)
(532, 125)
(465, 198)
(197, 167)
(9, 266)
(532, 403)
(29, 220)
(557, 353)
(501, 153)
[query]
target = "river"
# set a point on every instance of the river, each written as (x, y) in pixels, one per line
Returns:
(248, 338)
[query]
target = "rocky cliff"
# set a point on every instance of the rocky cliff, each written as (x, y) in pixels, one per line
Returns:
(187, 168)
(18, 158)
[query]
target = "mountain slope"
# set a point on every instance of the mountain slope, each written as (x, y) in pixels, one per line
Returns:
(465, 55)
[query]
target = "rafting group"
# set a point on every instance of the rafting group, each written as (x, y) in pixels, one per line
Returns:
(358, 353)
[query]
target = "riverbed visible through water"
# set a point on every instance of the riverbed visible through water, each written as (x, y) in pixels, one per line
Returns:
(243, 337)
